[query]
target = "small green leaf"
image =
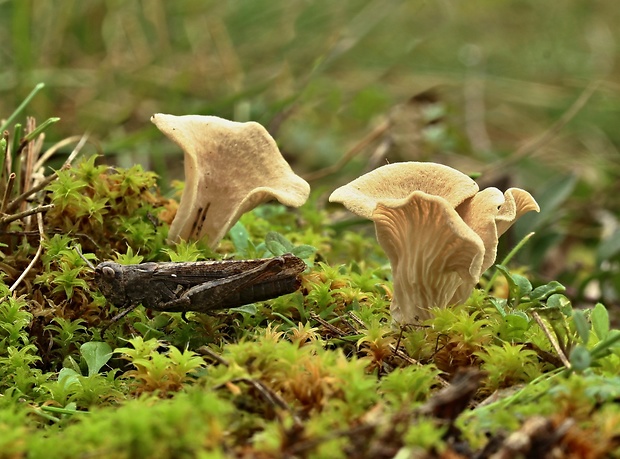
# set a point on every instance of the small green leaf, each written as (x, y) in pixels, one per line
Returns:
(512, 285)
(67, 377)
(147, 331)
(245, 309)
(524, 287)
(96, 354)
(303, 251)
(560, 302)
(543, 291)
(240, 238)
(580, 358)
(515, 325)
(184, 251)
(500, 305)
(276, 248)
(272, 235)
(278, 244)
(582, 326)
(518, 285)
(600, 321)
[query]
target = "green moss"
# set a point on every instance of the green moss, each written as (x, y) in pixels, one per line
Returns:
(189, 424)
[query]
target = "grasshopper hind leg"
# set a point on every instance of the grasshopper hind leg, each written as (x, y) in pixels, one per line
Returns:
(225, 292)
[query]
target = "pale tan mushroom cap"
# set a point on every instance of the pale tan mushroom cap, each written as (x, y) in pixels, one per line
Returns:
(432, 252)
(230, 168)
(388, 184)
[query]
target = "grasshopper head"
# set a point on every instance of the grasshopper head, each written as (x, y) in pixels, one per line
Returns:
(109, 280)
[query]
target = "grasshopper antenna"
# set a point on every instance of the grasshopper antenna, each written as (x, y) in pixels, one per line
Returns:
(88, 263)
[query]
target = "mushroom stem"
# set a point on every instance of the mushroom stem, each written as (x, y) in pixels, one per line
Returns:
(432, 253)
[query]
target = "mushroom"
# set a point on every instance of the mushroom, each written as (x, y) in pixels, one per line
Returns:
(439, 233)
(230, 168)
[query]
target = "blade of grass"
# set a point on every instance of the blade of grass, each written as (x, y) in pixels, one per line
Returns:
(40, 128)
(21, 107)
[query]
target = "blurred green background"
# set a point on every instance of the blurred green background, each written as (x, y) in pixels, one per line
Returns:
(525, 92)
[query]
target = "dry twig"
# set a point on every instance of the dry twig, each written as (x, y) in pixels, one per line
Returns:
(36, 255)
(26, 213)
(10, 183)
(551, 339)
(326, 324)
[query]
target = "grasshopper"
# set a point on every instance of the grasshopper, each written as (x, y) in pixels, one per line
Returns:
(199, 286)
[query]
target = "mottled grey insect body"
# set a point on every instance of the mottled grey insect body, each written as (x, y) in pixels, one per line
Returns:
(198, 286)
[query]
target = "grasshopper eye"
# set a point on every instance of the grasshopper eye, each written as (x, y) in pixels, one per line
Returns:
(108, 271)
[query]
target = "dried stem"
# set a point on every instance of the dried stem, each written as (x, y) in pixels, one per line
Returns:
(54, 148)
(204, 350)
(552, 340)
(412, 361)
(30, 154)
(25, 213)
(36, 255)
(326, 324)
(10, 183)
(356, 319)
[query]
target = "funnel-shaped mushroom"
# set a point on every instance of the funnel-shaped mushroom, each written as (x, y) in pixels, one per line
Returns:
(438, 231)
(230, 168)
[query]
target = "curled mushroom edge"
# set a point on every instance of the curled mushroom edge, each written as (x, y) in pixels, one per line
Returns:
(438, 231)
(230, 168)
